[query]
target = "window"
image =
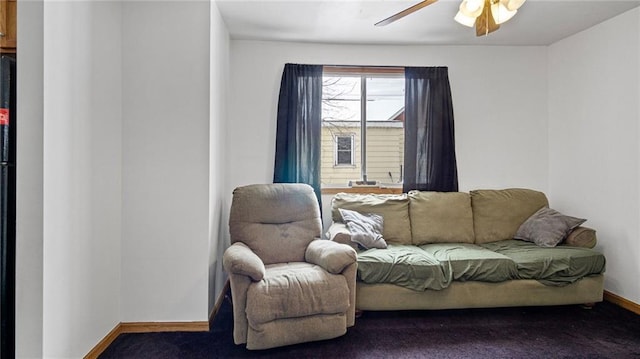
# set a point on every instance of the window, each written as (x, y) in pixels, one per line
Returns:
(362, 125)
(344, 150)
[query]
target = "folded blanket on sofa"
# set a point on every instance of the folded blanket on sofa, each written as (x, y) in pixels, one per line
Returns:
(435, 266)
(403, 265)
(559, 266)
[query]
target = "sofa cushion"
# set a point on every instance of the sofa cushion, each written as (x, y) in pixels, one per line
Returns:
(292, 290)
(440, 217)
(556, 266)
(547, 227)
(472, 262)
(497, 214)
(394, 210)
(404, 265)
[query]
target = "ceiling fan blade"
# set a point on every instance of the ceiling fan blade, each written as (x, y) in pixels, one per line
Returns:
(405, 12)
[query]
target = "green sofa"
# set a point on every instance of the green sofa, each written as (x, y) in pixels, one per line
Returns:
(457, 250)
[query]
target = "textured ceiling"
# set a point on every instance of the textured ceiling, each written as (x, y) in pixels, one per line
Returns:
(538, 22)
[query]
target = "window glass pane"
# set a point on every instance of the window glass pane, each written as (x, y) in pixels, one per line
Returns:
(344, 143)
(341, 123)
(385, 129)
(341, 128)
(344, 157)
(340, 99)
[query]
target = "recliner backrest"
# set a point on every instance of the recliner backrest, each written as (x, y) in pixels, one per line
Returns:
(277, 221)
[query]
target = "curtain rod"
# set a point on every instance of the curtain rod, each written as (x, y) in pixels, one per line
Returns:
(363, 69)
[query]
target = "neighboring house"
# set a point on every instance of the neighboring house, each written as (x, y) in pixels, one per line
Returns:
(341, 151)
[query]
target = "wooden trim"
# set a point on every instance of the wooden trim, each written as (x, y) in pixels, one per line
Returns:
(364, 190)
(221, 298)
(142, 327)
(104, 343)
(622, 302)
(158, 327)
(8, 17)
(359, 70)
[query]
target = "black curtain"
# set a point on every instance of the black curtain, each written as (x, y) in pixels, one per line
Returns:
(429, 146)
(299, 126)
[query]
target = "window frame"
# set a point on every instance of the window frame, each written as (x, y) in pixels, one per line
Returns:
(352, 152)
(362, 72)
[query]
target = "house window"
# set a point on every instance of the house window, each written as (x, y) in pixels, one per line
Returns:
(344, 150)
(362, 125)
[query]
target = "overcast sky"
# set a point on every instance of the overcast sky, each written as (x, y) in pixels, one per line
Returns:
(385, 96)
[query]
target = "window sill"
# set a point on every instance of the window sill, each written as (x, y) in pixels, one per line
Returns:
(363, 190)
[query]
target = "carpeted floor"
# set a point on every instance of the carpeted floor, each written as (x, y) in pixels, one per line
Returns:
(607, 331)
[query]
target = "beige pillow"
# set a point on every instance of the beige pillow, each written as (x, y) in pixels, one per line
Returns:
(394, 210)
(440, 217)
(497, 214)
(581, 237)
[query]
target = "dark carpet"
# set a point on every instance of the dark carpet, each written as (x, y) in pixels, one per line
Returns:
(606, 331)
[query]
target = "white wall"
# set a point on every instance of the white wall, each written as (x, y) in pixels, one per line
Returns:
(29, 178)
(165, 166)
(86, 258)
(81, 186)
(594, 140)
(218, 207)
(499, 99)
(117, 141)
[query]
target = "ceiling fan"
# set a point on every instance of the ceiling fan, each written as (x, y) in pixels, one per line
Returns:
(485, 15)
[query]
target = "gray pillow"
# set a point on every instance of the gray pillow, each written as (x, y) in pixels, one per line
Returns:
(365, 228)
(547, 227)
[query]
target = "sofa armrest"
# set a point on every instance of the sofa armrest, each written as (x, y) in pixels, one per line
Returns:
(240, 259)
(333, 257)
(339, 232)
(581, 237)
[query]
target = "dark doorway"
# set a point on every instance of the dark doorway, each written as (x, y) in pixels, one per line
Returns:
(7, 204)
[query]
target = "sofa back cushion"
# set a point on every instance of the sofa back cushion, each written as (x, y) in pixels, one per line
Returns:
(394, 210)
(440, 217)
(497, 214)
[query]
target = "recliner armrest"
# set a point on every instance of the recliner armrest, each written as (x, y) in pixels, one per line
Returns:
(240, 259)
(333, 257)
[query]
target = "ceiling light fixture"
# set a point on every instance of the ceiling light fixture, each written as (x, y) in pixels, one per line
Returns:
(486, 15)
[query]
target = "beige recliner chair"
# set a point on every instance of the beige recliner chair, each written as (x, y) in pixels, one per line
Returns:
(288, 286)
